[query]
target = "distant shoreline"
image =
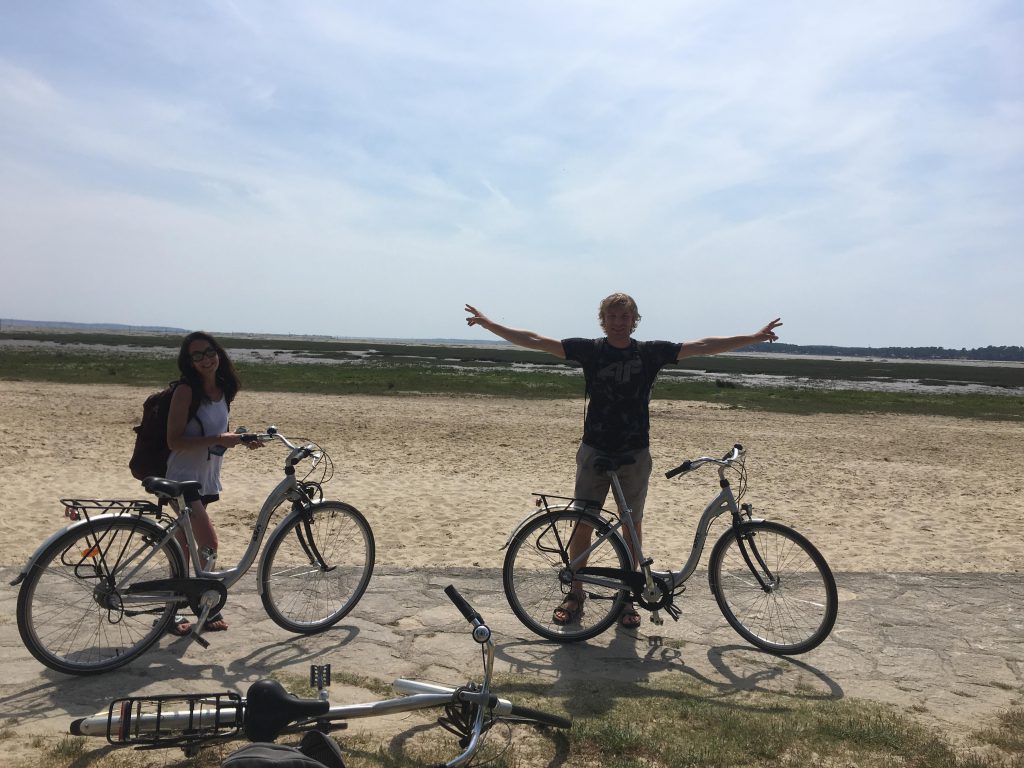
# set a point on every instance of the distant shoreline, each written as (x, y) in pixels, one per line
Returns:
(991, 355)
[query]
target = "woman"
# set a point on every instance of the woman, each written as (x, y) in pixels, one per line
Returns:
(197, 435)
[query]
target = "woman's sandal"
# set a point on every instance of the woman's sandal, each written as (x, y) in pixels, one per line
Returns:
(629, 618)
(568, 609)
(215, 624)
(180, 627)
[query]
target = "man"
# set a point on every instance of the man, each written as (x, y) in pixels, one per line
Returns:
(619, 373)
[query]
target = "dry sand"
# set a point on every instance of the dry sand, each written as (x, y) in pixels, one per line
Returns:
(443, 480)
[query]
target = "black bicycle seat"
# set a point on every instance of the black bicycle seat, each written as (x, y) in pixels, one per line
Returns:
(269, 709)
(170, 489)
(610, 462)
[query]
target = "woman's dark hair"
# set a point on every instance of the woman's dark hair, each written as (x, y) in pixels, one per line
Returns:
(227, 379)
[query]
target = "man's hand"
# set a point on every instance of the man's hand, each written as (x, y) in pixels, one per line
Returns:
(476, 317)
(768, 332)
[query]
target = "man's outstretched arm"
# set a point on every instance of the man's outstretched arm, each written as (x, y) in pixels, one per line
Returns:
(519, 337)
(713, 345)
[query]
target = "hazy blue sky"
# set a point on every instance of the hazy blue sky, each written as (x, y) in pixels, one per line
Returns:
(366, 169)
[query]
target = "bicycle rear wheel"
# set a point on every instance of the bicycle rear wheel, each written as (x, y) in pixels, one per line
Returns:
(535, 575)
(74, 613)
(316, 567)
(796, 609)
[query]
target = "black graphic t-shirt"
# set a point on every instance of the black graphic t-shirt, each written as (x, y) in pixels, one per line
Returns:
(619, 383)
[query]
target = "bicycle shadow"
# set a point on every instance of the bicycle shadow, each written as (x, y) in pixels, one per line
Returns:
(175, 665)
(400, 746)
(589, 678)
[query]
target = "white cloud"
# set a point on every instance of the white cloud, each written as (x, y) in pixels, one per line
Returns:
(812, 161)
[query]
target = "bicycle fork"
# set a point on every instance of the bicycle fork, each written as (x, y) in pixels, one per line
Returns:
(304, 533)
(745, 541)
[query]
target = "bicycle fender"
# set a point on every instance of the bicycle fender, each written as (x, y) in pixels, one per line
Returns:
(530, 518)
(541, 513)
(34, 558)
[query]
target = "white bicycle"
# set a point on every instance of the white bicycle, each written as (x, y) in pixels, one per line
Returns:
(772, 585)
(98, 593)
(268, 710)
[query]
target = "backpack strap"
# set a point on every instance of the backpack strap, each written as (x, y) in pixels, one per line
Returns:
(193, 406)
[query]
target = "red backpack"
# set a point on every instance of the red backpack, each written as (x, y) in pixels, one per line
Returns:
(149, 459)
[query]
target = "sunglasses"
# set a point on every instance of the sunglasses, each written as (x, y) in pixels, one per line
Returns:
(208, 352)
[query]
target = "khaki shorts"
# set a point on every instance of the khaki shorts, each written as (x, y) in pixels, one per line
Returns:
(594, 486)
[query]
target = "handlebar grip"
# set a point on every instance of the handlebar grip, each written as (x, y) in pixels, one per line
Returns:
(686, 466)
(464, 607)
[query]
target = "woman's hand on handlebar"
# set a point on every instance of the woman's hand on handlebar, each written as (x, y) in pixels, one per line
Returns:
(231, 439)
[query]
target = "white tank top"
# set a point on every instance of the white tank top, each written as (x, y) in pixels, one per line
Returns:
(198, 463)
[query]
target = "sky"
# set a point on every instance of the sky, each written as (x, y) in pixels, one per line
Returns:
(366, 169)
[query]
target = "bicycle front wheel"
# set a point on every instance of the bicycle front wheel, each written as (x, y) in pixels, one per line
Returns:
(536, 575)
(75, 613)
(317, 565)
(793, 607)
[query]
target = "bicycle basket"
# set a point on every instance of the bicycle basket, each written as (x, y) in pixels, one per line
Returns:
(162, 721)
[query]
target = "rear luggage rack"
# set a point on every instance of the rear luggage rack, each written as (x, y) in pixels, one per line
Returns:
(151, 722)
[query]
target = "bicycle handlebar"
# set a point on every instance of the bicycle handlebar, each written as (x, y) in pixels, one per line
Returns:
(468, 611)
(691, 464)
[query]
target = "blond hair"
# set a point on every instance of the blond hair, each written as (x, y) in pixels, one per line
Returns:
(619, 300)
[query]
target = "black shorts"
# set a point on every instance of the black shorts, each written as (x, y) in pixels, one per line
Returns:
(208, 499)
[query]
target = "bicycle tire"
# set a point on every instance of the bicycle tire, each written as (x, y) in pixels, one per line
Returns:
(298, 594)
(70, 611)
(798, 610)
(530, 716)
(536, 556)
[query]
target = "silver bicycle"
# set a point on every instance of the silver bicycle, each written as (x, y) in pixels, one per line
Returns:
(97, 594)
(267, 710)
(771, 583)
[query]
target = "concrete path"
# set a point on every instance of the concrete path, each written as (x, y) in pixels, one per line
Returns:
(948, 648)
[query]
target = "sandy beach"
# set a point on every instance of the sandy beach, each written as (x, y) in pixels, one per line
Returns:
(443, 480)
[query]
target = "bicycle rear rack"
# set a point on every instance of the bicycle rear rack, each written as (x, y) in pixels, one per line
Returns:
(155, 722)
(79, 509)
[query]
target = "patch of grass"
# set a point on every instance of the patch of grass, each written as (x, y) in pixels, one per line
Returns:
(1008, 734)
(385, 378)
(665, 723)
(68, 749)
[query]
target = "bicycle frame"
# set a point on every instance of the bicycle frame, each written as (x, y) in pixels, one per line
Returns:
(623, 526)
(288, 489)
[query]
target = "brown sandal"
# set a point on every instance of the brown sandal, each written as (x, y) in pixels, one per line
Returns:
(569, 609)
(629, 618)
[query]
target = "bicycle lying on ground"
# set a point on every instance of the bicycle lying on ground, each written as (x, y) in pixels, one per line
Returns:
(771, 583)
(267, 711)
(98, 593)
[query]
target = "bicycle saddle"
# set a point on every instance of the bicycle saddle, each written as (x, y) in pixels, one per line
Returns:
(269, 709)
(609, 462)
(170, 489)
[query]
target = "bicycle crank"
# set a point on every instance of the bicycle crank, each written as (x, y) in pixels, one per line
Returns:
(656, 602)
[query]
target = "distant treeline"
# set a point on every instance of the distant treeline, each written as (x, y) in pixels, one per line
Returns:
(1008, 354)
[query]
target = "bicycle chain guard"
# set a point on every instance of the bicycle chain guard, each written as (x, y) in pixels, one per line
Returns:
(191, 589)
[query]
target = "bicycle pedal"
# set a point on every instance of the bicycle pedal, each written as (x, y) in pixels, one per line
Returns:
(199, 639)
